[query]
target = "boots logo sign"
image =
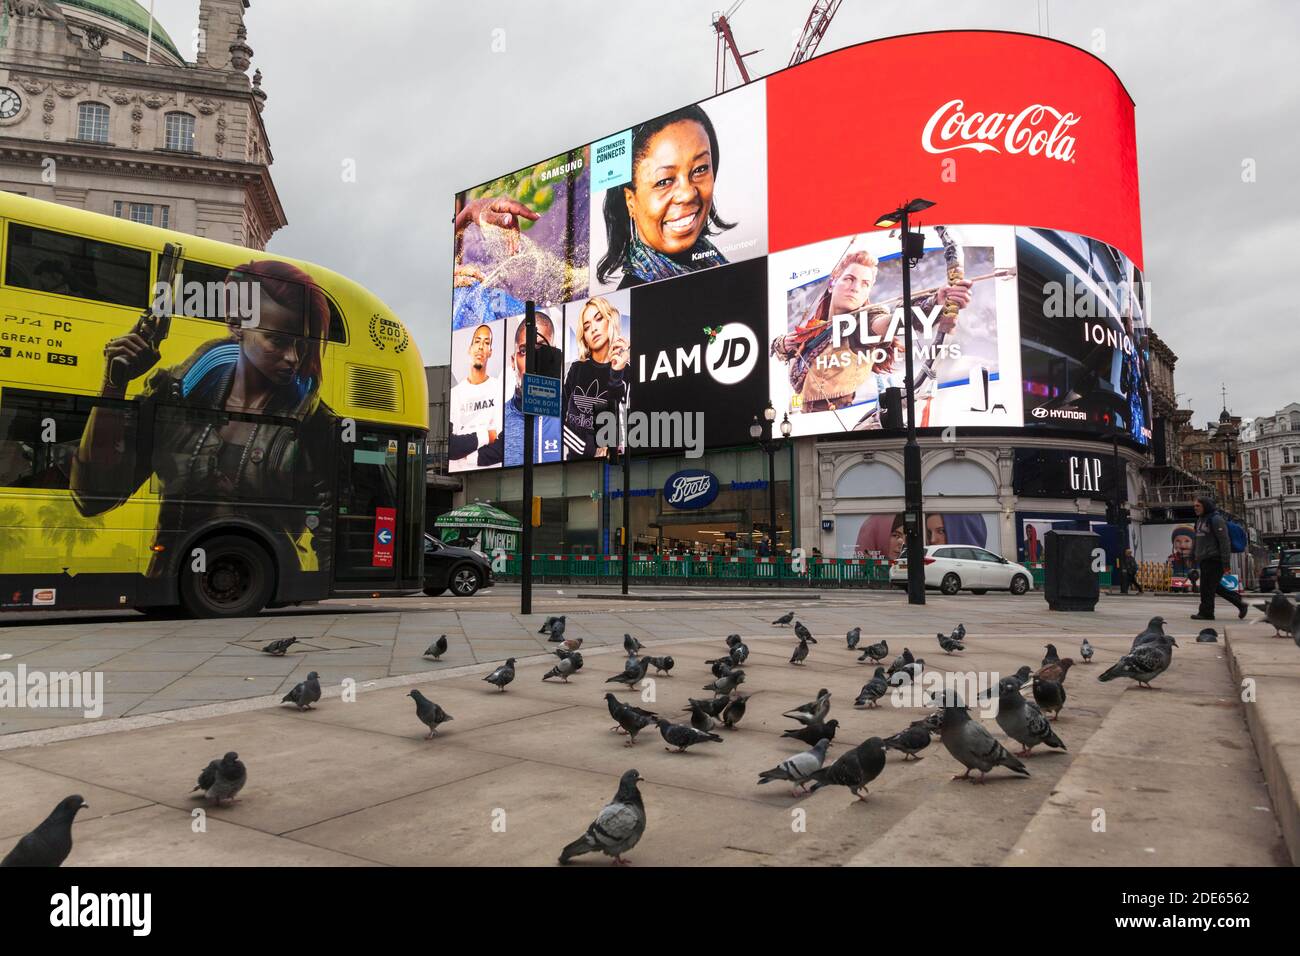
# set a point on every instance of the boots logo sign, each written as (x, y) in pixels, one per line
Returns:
(691, 489)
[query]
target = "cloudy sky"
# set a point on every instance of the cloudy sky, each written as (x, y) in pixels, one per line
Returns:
(421, 96)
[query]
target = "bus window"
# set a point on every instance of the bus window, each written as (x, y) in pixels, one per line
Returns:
(338, 328)
(46, 261)
(39, 436)
(201, 306)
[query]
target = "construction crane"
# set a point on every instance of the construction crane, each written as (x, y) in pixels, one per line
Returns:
(819, 19)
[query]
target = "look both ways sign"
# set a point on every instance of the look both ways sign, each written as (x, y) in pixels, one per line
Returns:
(541, 395)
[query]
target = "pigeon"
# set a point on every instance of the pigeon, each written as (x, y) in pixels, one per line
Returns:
(1050, 695)
(557, 631)
(547, 625)
(814, 711)
(1051, 656)
(566, 668)
(631, 644)
(911, 741)
(437, 648)
(305, 693)
(853, 637)
(959, 632)
(277, 648)
(734, 711)
(803, 633)
(854, 770)
(1143, 664)
(629, 719)
(811, 733)
(703, 721)
(799, 768)
(1155, 629)
(800, 653)
(1208, 636)
(1014, 681)
(632, 674)
(784, 620)
(875, 652)
(1280, 611)
(430, 714)
(1085, 651)
(617, 828)
(223, 779)
(712, 706)
(561, 653)
(681, 736)
(571, 644)
(873, 690)
(971, 744)
(739, 654)
(733, 640)
(909, 674)
(51, 842)
(720, 667)
(662, 665)
(1056, 671)
(1024, 723)
(901, 661)
(1023, 674)
(502, 675)
(950, 644)
(727, 683)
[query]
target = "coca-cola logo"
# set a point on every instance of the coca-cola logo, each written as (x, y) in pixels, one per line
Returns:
(694, 488)
(1038, 130)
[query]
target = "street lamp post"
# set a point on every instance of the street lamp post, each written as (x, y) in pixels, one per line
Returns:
(770, 444)
(913, 248)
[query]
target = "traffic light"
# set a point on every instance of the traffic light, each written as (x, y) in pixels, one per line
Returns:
(537, 511)
(620, 536)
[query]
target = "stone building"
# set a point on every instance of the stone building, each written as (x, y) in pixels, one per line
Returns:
(1213, 455)
(101, 109)
(1270, 465)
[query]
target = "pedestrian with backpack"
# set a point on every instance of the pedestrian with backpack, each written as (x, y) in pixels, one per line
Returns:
(1213, 552)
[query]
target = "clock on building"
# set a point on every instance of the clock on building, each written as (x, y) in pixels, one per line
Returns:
(10, 103)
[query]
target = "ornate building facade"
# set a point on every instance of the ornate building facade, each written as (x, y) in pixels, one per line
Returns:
(100, 109)
(1270, 455)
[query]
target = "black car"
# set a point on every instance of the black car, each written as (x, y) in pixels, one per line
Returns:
(1288, 574)
(463, 570)
(1268, 577)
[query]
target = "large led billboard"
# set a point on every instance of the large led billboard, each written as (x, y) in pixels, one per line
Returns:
(737, 232)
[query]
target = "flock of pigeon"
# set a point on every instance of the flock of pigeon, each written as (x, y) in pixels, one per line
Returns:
(620, 824)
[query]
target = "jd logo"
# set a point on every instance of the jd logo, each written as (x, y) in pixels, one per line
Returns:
(732, 354)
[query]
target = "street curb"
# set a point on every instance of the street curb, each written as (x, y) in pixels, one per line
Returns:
(698, 597)
(1272, 730)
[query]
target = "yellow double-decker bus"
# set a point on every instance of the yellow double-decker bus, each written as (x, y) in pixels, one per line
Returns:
(188, 423)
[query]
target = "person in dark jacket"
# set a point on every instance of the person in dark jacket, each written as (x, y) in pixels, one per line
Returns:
(1213, 550)
(1128, 572)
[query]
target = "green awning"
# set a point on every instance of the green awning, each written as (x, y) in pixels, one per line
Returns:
(478, 516)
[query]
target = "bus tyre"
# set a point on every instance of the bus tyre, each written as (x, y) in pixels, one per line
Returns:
(237, 582)
(950, 584)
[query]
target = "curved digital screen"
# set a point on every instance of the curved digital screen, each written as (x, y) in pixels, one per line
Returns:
(739, 233)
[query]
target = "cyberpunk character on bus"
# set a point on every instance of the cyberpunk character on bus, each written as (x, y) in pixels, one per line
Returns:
(237, 429)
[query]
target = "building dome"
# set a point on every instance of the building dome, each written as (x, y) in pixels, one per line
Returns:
(131, 15)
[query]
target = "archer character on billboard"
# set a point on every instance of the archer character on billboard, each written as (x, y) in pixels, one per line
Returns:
(475, 407)
(210, 464)
(825, 375)
(659, 225)
(595, 382)
(546, 429)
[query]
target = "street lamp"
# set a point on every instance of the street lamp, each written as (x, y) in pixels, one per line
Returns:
(913, 249)
(770, 445)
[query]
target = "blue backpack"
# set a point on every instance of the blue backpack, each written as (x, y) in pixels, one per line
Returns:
(1237, 535)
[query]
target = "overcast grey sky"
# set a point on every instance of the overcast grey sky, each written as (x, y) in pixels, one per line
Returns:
(413, 91)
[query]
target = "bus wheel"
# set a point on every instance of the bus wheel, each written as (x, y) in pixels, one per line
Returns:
(236, 583)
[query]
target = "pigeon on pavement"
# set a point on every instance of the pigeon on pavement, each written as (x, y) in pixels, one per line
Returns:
(720, 666)
(557, 631)
(702, 720)
(1281, 613)
(803, 633)
(911, 741)
(223, 779)
(800, 653)
(1208, 636)
(278, 648)
(854, 770)
(617, 828)
(631, 644)
(799, 768)
(971, 744)
(662, 665)
(571, 643)
(901, 661)
(950, 644)
(713, 706)
(908, 674)
(784, 620)
(873, 690)
(437, 648)
(632, 674)
(1056, 670)
(1051, 657)
(51, 842)
(502, 675)
(727, 683)
(814, 711)
(739, 653)
(547, 625)
(1155, 629)
(811, 733)
(429, 713)
(305, 693)
(682, 736)
(733, 640)
(566, 668)
(1024, 723)
(959, 632)
(852, 638)
(1143, 664)
(1085, 651)
(875, 652)
(734, 711)
(629, 719)
(1049, 695)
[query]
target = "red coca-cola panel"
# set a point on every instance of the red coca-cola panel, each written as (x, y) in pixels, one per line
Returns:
(994, 127)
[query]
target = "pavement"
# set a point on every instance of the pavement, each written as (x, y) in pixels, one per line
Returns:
(517, 775)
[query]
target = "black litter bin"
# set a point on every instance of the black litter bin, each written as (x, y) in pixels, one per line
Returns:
(1069, 582)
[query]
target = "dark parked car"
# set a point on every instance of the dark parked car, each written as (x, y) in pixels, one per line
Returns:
(1268, 578)
(463, 570)
(1288, 574)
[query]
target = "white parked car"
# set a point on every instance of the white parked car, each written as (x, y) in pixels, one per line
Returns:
(956, 567)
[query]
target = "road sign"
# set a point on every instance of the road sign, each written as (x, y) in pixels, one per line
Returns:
(541, 395)
(385, 533)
